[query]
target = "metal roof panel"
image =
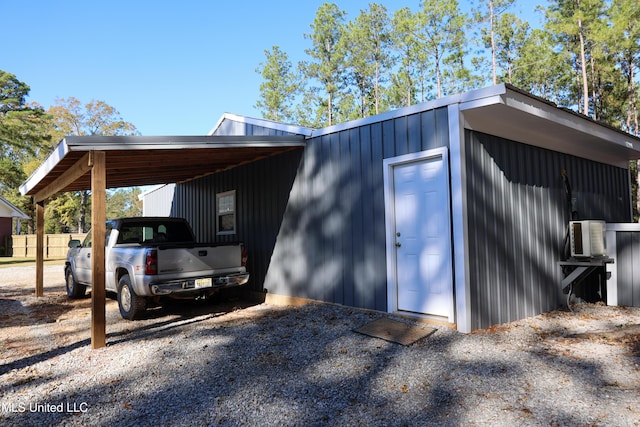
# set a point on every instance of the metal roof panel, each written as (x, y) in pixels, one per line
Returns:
(147, 160)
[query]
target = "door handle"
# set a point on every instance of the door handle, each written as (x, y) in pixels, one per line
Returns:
(89, 255)
(398, 244)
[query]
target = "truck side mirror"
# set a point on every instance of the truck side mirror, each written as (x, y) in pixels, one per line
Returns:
(74, 243)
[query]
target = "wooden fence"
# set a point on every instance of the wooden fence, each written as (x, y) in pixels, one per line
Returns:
(55, 245)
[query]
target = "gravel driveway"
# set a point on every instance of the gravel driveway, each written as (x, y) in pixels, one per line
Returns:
(235, 364)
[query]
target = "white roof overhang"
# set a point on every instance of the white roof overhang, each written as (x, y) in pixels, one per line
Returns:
(8, 210)
(509, 113)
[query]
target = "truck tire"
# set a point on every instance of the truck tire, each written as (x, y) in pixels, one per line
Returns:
(131, 305)
(74, 289)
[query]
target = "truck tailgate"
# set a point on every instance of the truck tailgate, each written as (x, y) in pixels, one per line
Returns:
(211, 259)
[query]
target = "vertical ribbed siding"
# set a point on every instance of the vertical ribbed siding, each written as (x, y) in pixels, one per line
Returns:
(159, 201)
(517, 218)
(314, 221)
(627, 256)
(262, 190)
(233, 128)
(331, 245)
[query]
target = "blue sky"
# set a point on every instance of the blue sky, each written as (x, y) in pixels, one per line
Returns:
(168, 67)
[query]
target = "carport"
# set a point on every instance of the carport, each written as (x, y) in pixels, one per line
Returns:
(97, 163)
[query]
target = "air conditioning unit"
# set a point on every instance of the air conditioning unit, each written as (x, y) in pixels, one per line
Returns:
(587, 238)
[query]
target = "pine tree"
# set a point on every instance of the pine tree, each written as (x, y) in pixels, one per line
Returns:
(280, 85)
(625, 40)
(369, 42)
(441, 37)
(408, 80)
(327, 55)
(489, 13)
(575, 25)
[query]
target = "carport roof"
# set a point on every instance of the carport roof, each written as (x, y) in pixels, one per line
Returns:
(147, 160)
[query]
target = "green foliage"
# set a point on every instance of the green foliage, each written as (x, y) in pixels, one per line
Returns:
(510, 36)
(542, 70)
(576, 26)
(311, 111)
(23, 130)
(625, 42)
(61, 213)
(71, 117)
(403, 90)
(123, 202)
(23, 137)
(13, 93)
(11, 173)
(441, 35)
(489, 14)
(280, 86)
(367, 64)
(585, 58)
(26, 132)
(328, 54)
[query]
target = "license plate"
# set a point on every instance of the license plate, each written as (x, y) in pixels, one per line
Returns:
(203, 283)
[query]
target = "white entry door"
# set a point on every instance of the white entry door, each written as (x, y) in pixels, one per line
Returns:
(421, 233)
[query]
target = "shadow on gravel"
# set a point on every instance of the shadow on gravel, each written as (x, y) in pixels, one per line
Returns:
(45, 312)
(159, 329)
(181, 314)
(41, 357)
(305, 366)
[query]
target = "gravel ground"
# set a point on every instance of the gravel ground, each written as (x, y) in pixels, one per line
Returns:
(233, 364)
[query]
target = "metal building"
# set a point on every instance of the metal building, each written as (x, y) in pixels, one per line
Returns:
(455, 209)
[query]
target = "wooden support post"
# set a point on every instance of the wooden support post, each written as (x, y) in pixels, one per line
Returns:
(98, 236)
(39, 248)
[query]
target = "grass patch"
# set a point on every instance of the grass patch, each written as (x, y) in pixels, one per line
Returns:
(20, 261)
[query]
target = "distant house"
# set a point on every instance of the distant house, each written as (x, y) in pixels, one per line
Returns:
(7, 214)
(454, 210)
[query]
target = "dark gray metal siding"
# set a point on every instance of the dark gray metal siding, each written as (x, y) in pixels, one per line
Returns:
(627, 257)
(517, 217)
(262, 191)
(331, 246)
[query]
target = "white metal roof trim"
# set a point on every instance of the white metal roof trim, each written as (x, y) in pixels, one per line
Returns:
(50, 162)
(103, 143)
(270, 124)
(115, 143)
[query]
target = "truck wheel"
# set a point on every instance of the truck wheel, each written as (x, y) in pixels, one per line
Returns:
(131, 305)
(74, 289)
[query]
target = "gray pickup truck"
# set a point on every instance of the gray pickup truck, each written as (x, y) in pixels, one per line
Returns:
(151, 258)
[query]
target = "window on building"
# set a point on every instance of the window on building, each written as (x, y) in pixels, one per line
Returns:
(226, 212)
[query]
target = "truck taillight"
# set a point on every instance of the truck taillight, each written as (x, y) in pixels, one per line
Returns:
(243, 250)
(151, 262)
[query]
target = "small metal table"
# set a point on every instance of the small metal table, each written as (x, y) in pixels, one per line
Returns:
(583, 267)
